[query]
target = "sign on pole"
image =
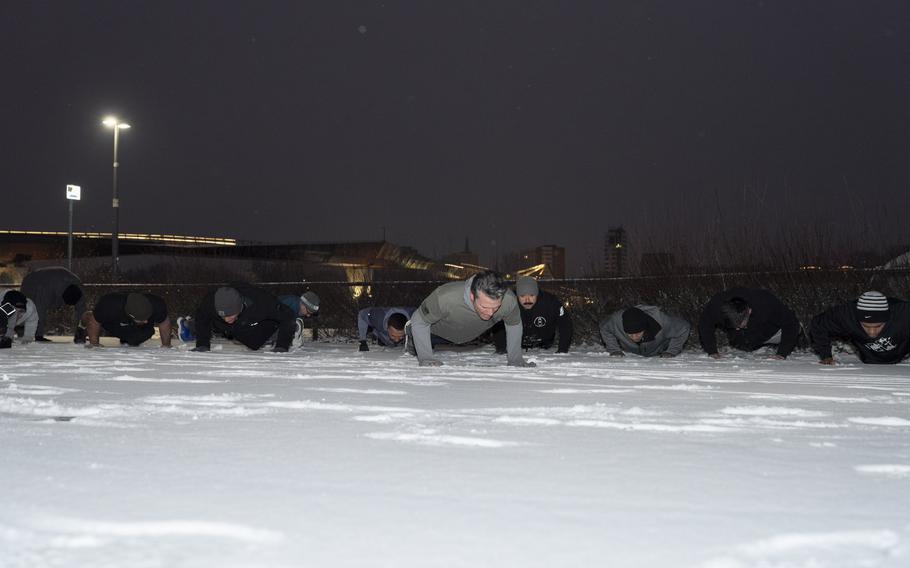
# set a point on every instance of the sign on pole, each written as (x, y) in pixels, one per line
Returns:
(73, 193)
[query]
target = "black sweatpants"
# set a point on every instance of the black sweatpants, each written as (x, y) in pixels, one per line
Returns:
(132, 334)
(253, 336)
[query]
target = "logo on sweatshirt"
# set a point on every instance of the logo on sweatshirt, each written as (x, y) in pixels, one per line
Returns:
(881, 345)
(540, 321)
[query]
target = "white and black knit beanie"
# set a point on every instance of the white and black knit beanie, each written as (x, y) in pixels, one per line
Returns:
(872, 307)
(311, 301)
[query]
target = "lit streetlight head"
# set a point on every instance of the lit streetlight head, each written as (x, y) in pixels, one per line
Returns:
(109, 121)
(123, 126)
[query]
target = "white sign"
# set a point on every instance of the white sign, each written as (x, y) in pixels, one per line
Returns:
(74, 192)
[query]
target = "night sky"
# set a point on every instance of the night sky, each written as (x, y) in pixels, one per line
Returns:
(515, 123)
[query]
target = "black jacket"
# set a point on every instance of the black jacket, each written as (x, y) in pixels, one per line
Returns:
(540, 324)
(768, 316)
(110, 312)
(258, 306)
(841, 322)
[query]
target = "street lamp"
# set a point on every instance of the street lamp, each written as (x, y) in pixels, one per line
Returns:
(117, 126)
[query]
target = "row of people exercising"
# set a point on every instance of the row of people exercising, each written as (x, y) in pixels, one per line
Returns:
(458, 312)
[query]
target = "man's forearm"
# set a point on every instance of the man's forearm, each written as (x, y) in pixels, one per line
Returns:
(420, 333)
(513, 344)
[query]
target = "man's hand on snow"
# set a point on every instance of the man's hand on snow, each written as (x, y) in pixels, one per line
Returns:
(522, 363)
(715, 355)
(617, 354)
(430, 363)
(666, 355)
(778, 357)
(827, 361)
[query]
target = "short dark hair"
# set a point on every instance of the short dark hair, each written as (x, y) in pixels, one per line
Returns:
(734, 310)
(397, 321)
(490, 283)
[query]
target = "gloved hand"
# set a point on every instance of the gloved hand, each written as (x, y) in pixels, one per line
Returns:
(6, 342)
(201, 349)
(430, 363)
(364, 346)
(279, 349)
(617, 354)
(522, 363)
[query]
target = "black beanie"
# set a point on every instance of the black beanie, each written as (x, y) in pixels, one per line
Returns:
(72, 294)
(16, 298)
(634, 320)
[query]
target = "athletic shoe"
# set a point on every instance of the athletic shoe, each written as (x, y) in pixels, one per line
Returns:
(298, 333)
(185, 329)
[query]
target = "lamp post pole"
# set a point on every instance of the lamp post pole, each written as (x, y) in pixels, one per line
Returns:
(112, 122)
(73, 193)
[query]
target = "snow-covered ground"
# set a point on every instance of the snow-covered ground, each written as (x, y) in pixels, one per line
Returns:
(140, 457)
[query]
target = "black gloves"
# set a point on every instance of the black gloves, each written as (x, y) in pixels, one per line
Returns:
(6, 342)
(364, 346)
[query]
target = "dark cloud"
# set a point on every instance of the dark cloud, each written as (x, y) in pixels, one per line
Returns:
(514, 123)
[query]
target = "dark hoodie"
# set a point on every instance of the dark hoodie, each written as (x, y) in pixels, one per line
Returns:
(768, 316)
(260, 308)
(842, 322)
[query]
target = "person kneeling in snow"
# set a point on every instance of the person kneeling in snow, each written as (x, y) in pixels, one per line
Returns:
(752, 319)
(877, 326)
(21, 312)
(644, 330)
(542, 316)
(305, 306)
(244, 313)
(387, 324)
(5, 342)
(51, 288)
(458, 312)
(130, 317)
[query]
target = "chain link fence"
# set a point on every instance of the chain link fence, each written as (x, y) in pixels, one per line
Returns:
(589, 300)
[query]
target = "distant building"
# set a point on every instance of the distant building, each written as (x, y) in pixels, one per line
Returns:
(187, 258)
(657, 263)
(463, 258)
(552, 257)
(616, 252)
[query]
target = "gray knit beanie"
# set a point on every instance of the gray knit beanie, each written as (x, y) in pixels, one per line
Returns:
(526, 286)
(228, 302)
(311, 301)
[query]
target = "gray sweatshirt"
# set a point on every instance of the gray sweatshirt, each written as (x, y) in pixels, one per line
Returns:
(29, 320)
(448, 313)
(671, 338)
